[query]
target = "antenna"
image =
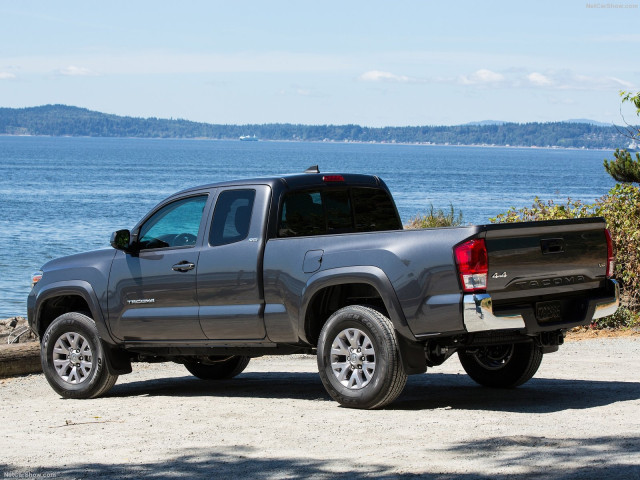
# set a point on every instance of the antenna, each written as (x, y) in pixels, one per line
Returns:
(312, 169)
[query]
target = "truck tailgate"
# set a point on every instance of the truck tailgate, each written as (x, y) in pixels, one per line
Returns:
(543, 276)
(543, 258)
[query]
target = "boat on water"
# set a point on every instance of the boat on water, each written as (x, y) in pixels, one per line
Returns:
(633, 147)
(247, 138)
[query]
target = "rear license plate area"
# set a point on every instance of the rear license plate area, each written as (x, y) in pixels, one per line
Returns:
(549, 312)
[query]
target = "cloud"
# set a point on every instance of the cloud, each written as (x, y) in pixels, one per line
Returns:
(379, 76)
(73, 71)
(482, 76)
(568, 80)
(539, 80)
(547, 80)
(6, 76)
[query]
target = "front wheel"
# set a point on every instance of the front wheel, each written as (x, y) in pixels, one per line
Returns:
(73, 358)
(502, 366)
(217, 368)
(359, 360)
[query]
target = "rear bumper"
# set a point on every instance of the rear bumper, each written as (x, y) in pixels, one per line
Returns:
(608, 306)
(479, 314)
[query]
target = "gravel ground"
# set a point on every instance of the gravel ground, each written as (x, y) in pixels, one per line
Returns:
(579, 417)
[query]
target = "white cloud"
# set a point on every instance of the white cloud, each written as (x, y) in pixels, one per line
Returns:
(482, 76)
(73, 71)
(6, 76)
(539, 79)
(567, 80)
(379, 76)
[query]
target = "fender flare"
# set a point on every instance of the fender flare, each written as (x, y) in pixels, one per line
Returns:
(79, 288)
(411, 352)
(370, 275)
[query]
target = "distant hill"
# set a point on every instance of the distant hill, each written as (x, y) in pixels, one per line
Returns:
(486, 122)
(63, 120)
(590, 122)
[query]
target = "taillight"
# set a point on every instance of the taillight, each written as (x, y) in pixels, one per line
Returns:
(473, 265)
(333, 178)
(611, 260)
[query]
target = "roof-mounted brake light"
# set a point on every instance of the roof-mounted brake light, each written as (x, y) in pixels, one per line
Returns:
(333, 178)
(473, 265)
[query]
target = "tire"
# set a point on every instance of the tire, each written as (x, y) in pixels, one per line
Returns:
(218, 368)
(502, 366)
(73, 358)
(371, 380)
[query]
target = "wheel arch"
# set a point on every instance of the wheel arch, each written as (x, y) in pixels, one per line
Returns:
(63, 297)
(329, 290)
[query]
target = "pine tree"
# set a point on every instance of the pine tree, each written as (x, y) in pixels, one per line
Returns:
(624, 168)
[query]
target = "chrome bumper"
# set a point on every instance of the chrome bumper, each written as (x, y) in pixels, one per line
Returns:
(608, 307)
(479, 316)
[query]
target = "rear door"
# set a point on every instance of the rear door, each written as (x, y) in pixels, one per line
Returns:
(230, 265)
(152, 292)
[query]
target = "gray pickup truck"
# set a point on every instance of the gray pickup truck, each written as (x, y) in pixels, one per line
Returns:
(317, 263)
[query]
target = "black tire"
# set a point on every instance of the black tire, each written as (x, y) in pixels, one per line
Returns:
(91, 378)
(375, 344)
(502, 366)
(218, 368)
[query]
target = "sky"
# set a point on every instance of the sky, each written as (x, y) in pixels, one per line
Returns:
(372, 63)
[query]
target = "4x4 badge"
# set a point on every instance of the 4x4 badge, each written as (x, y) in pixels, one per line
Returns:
(499, 275)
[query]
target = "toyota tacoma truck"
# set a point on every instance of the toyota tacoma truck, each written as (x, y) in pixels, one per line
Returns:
(318, 264)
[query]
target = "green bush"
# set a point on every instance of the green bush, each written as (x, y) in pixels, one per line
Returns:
(622, 319)
(621, 209)
(546, 211)
(436, 218)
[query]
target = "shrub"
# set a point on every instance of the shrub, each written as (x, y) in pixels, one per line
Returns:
(621, 209)
(546, 211)
(436, 218)
(623, 318)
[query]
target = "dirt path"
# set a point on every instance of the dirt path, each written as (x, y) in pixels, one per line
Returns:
(578, 418)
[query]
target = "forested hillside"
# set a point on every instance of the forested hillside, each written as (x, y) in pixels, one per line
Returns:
(62, 120)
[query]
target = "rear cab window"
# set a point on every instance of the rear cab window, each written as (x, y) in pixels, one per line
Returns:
(328, 211)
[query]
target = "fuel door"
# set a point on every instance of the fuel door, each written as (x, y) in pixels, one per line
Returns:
(312, 261)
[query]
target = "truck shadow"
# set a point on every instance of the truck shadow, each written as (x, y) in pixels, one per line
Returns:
(539, 395)
(423, 392)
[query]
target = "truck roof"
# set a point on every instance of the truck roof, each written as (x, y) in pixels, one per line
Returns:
(299, 180)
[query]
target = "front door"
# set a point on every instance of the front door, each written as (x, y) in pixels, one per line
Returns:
(229, 286)
(152, 293)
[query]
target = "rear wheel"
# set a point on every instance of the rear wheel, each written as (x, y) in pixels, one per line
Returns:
(502, 366)
(359, 360)
(73, 358)
(217, 368)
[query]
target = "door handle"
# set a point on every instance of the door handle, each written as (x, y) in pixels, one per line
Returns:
(183, 266)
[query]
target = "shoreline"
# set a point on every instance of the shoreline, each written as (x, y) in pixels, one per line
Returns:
(340, 142)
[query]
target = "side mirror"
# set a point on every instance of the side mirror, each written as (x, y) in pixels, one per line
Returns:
(121, 239)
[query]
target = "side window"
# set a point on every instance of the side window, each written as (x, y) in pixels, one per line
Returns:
(232, 217)
(374, 210)
(302, 215)
(174, 225)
